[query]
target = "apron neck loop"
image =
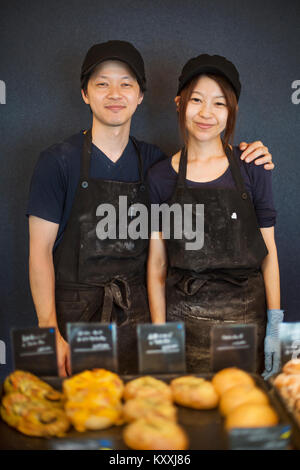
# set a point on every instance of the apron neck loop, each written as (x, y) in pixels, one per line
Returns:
(233, 164)
(86, 156)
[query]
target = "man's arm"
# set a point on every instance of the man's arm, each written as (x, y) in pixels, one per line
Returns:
(42, 235)
(156, 278)
(257, 151)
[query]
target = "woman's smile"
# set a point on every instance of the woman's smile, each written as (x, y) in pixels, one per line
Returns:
(204, 126)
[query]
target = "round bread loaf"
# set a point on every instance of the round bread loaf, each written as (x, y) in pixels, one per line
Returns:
(194, 392)
(287, 380)
(140, 407)
(292, 367)
(146, 387)
(251, 416)
(230, 377)
(153, 433)
(239, 395)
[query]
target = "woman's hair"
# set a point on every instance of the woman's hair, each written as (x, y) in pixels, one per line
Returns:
(231, 102)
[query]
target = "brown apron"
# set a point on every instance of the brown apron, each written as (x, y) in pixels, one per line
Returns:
(103, 279)
(222, 282)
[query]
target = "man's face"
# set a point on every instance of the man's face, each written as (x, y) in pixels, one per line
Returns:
(113, 93)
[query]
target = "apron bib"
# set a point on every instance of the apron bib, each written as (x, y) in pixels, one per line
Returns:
(221, 282)
(103, 279)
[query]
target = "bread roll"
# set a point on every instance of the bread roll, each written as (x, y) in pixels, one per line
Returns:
(239, 395)
(146, 387)
(251, 416)
(140, 407)
(230, 377)
(292, 367)
(287, 380)
(153, 433)
(194, 392)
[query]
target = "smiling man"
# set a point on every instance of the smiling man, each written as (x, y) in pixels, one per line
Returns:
(75, 275)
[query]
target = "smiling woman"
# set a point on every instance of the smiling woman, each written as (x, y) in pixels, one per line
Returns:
(233, 277)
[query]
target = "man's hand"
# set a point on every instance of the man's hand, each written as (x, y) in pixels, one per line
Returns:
(257, 151)
(63, 356)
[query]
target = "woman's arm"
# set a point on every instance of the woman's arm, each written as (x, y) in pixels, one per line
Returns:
(156, 277)
(270, 270)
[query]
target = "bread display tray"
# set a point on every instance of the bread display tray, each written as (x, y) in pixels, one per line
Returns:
(205, 428)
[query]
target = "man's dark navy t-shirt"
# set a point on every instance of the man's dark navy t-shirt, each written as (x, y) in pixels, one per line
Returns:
(162, 180)
(57, 174)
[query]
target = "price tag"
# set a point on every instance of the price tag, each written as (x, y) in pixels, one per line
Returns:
(268, 438)
(35, 350)
(92, 345)
(233, 346)
(81, 444)
(289, 334)
(161, 348)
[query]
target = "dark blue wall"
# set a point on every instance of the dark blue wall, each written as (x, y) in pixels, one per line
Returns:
(42, 46)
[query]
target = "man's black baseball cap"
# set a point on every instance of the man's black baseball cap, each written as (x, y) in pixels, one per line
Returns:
(205, 63)
(115, 50)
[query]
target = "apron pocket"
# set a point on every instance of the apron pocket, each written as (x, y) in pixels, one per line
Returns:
(100, 260)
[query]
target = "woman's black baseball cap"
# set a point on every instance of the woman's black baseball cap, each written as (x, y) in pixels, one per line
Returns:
(115, 50)
(205, 63)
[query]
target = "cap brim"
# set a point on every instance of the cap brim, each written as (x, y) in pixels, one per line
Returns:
(110, 57)
(206, 69)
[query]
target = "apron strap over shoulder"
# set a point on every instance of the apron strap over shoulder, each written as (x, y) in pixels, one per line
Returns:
(140, 159)
(236, 173)
(181, 180)
(86, 155)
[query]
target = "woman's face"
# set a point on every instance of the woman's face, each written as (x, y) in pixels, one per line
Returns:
(206, 112)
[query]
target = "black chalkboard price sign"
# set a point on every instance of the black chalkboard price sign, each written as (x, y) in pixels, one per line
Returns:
(233, 346)
(289, 334)
(92, 345)
(34, 350)
(266, 438)
(161, 348)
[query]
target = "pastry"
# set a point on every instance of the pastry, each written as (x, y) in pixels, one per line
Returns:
(96, 379)
(94, 412)
(33, 417)
(93, 399)
(31, 386)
